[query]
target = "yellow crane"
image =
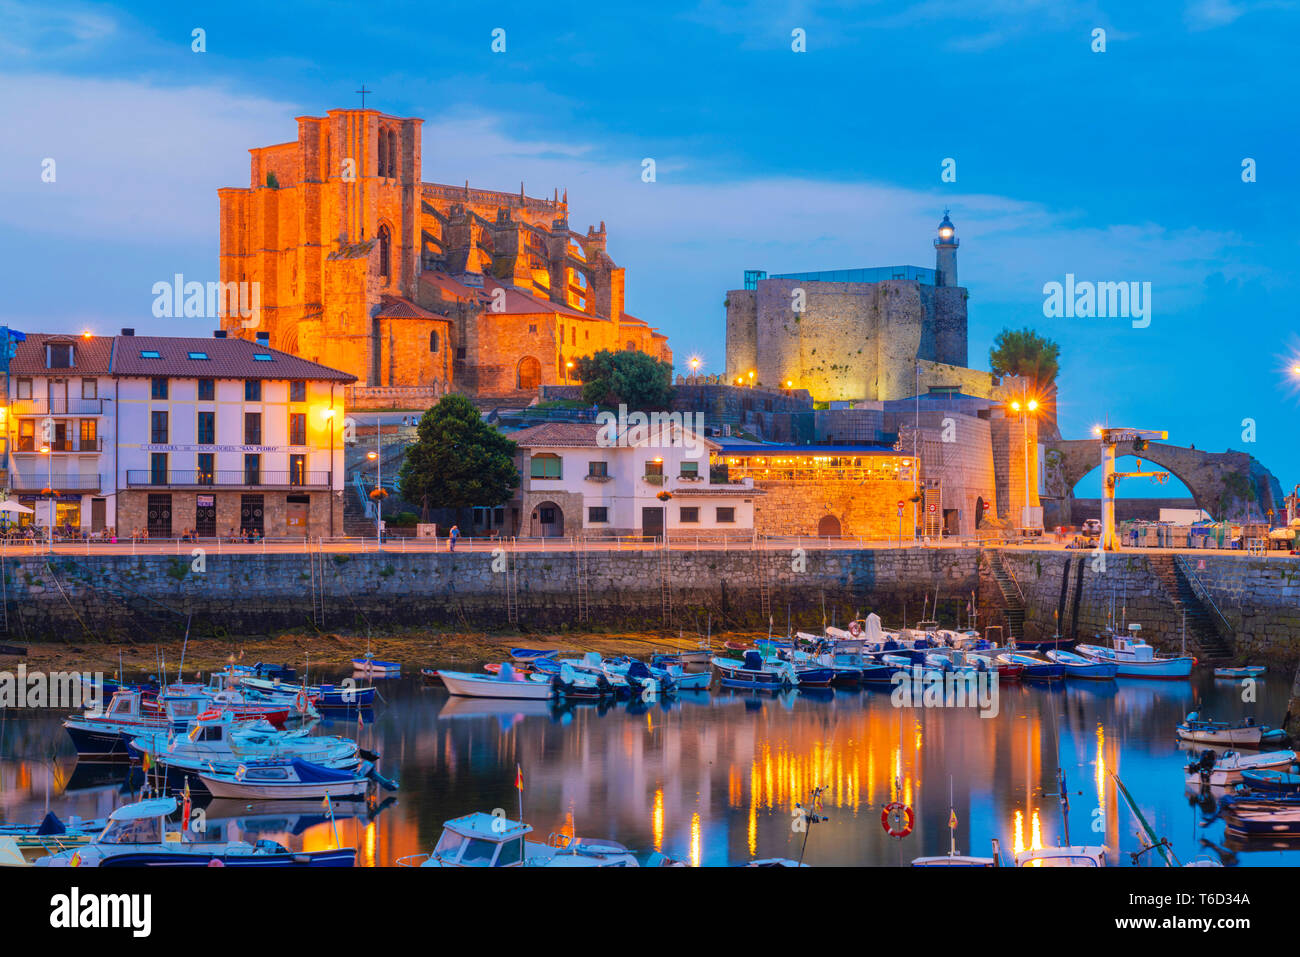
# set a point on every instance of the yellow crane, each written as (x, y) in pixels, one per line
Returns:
(1110, 438)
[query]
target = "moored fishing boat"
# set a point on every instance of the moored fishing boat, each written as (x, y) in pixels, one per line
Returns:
(532, 654)
(1248, 671)
(104, 736)
(506, 683)
(1033, 668)
(1076, 666)
(756, 672)
(1253, 816)
(1006, 670)
(1076, 856)
(491, 840)
(136, 836)
(1136, 659)
(1222, 769)
(1278, 780)
(368, 664)
(323, 696)
(1243, 734)
(287, 779)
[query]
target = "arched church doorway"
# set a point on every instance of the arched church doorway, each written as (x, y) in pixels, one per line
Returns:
(528, 376)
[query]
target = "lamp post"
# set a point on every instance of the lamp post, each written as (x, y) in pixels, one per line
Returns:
(1024, 407)
(378, 494)
(48, 452)
(695, 368)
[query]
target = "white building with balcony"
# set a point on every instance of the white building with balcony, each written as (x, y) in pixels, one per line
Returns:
(575, 482)
(174, 436)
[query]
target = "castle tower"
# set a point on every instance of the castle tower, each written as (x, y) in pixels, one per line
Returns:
(945, 253)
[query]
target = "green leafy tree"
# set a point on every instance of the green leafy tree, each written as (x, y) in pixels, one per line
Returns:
(634, 378)
(458, 460)
(1026, 353)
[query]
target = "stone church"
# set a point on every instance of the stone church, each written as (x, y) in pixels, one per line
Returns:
(416, 288)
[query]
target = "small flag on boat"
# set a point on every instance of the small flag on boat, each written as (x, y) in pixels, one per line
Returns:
(185, 807)
(146, 762)
(952, 819)
(519, 777)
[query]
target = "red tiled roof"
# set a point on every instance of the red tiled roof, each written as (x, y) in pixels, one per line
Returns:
(91, 356)
(517, 302)
(560, 435)
(395, 307)
(227, 359)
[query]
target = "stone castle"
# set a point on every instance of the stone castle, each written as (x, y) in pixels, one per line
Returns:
(416, 288)
(870, 334)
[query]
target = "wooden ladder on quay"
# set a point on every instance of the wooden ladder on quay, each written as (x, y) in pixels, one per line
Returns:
(580, 555)
(665, 584)
(316, 561)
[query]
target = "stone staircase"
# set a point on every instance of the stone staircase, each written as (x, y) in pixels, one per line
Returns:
(1206, 628)
(1011, 596)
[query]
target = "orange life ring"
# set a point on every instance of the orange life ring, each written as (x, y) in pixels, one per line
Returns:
(301, 702)
(855, 629)
(893, 807)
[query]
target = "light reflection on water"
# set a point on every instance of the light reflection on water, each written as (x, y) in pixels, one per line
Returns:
(713, 778)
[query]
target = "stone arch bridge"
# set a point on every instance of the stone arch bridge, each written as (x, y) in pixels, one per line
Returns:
(1226, 484)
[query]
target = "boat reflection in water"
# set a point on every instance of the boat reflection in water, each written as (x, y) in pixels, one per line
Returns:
(713, 777)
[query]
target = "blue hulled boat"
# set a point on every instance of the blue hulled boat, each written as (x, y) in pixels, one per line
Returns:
(756, 672)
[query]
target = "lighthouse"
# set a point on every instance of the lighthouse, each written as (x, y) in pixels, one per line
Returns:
(945, 253)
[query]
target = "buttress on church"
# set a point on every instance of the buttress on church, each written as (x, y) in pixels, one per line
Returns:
(416, 288)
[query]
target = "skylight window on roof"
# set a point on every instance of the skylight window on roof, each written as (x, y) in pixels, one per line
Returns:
(150, 354)
(261, 357)
(198, 355)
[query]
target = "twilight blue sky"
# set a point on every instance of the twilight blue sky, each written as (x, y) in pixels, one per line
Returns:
(1122, 165)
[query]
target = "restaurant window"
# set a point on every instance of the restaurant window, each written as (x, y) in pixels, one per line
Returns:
(158, 388)
(597, 514)
(252, 469)
(205, 473)
(158, 468)
(297, 470)
(207, 390)
(252, 428)
(297, 391)
(297, 428)
(158, 427)
(726, 516)
(545, 466)
(689, 515)
(207, 431)
(90, 388)
(252, 390)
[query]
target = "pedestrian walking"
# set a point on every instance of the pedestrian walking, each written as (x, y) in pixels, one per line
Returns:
(453, 535)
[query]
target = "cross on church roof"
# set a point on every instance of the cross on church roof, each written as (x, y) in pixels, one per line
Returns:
(363, 91)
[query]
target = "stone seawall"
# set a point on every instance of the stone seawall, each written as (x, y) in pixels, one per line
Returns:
(1259, 597)
(122, 597)
(137, 597)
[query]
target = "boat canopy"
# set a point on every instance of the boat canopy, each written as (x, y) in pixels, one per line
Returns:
(487, 827)
(154, 807)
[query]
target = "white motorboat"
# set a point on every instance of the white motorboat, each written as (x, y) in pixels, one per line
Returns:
(506, 683)
(1075, 856)
(1244, 734)
(287, 779)
(1223, 769)
(137, 836)
(488, 840)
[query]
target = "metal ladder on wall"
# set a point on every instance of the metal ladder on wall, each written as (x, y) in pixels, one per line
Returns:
(764, 587)
(316, 560)
(665, 584)
(512, 586)
(580, 554)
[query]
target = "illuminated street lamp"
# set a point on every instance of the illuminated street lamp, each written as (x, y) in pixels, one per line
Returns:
(49, 490)
(695, 368)
(377, 494)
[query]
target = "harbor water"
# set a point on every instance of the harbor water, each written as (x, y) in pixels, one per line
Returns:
(713, 777)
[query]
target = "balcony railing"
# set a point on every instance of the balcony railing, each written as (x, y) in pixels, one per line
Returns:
(57, 406)
(78, 482)
(226, 478)
(28, 443)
